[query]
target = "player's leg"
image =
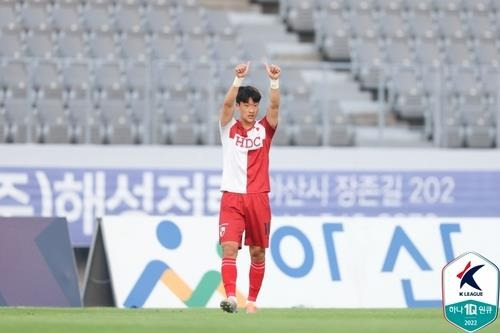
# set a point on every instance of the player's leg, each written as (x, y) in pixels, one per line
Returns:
(256, 275)
(229, 274)
(231, 226)
(257, 229)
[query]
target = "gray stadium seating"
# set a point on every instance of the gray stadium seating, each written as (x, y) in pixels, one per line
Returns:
(99, 71)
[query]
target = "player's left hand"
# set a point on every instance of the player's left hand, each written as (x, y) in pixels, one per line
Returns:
(273, 71)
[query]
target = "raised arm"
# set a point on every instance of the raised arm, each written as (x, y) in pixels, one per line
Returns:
(272, 113)
(226, 113)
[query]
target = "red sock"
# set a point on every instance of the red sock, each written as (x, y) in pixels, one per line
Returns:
(256, 275)
(229, 273)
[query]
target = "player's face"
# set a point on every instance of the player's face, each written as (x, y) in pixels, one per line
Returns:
(248, 111)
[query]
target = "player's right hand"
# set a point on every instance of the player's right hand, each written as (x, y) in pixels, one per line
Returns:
(241, 70)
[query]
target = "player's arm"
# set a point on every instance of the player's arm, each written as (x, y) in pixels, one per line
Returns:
(272, 113)
(226, 113)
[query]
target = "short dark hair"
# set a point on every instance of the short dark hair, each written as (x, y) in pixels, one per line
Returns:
(247, 92)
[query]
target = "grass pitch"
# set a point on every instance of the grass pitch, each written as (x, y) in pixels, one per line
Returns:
(90, 320)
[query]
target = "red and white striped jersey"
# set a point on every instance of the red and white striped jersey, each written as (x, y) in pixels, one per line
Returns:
(245, 155)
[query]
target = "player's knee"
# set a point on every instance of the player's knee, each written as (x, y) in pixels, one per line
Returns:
(257, 254)
(229, 250)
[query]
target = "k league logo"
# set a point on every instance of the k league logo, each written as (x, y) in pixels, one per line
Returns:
(470, 292)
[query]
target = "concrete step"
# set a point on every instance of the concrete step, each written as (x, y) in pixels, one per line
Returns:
(397, 136)
(237, 5)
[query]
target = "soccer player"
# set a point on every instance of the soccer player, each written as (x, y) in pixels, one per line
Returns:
(245, 181)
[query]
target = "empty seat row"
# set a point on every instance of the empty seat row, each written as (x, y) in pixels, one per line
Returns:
(110, 45)
(130, 15)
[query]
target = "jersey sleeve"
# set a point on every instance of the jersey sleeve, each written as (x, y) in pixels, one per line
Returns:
(269, 129)
(224, 130)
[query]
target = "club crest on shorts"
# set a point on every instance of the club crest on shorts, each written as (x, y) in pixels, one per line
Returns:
(470, 291)
(222, 230)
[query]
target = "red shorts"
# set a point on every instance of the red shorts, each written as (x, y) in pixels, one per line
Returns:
(249, 213)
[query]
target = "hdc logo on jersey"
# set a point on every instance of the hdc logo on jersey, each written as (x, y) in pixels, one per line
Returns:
(470, 292)
(248, 142)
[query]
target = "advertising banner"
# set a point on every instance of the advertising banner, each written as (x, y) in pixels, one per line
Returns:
(83, 194)
(37, 266)
(311, 262)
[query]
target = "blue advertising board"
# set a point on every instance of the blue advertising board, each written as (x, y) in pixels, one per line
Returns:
(82, 194)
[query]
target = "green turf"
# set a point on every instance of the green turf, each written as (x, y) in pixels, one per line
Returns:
(76, 320)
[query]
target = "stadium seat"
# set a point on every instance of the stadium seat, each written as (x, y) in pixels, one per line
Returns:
(407, 95)
(399, 50)
(298, 14)
(76, 78)
(170, 76)
(197, 46)
(486, 50)
(97, 15)
(479, 24)
(51, 118)
(428, 50)
(465, 80)
(40, 44)
(228, 48)
(340, 130)
(176, 106)
(134, 46)
(295, 82)
(66, 15)
(453, 132)
(283, 133)
(36, 15)
(166, 46)
(366, 61)
(480, 136)
(159, 19)
(490, 79)
(392, 24)
(8, 15)
(136, 75)
(457, 51)
(191, 19)
(45, 76)
(362, 24)
(11, 44)
(218, 23)
(332, 35)
(421, 21)
(18, 118)
(72, 44)
(108, 76)
(200, 75)
(307, 132)
(474, 110)
(129, 16)
(103, 45)
(16, 101)
(121, 127)
(14, 76)
(184, 131)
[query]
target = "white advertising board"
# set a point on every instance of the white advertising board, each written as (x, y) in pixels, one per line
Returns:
(312, 261)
